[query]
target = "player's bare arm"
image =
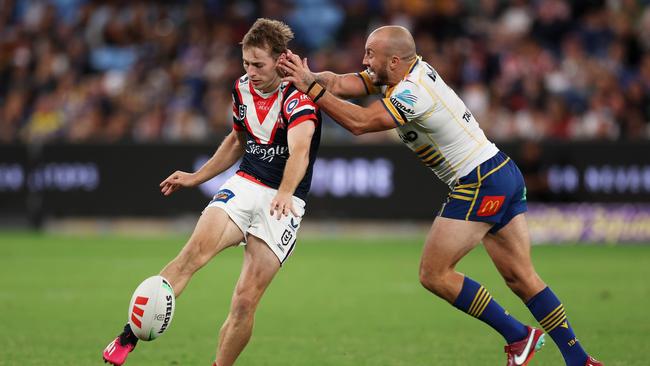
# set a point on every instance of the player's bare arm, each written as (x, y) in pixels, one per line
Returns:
(344, 86)
(299, 142)
(230, 150)
(354, 118)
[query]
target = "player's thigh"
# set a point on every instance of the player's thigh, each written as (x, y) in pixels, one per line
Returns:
(510, 246)
(258, 269)
(448, 241)
(509, 249)
(214, 232)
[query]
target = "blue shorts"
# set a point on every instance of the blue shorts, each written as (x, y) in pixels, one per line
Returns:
(493, 192)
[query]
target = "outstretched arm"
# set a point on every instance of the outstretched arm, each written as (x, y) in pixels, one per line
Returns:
(354, 118)
(342, 85)
(230, 150)
(299, 142)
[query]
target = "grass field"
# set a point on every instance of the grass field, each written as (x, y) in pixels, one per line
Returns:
(335, 303)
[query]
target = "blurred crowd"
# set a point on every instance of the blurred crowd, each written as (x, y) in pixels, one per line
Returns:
(151, 71)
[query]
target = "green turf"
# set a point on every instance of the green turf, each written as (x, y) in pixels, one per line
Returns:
(340, 302)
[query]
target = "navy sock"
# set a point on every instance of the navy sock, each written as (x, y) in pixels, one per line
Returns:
(477, 302)
(549, 312)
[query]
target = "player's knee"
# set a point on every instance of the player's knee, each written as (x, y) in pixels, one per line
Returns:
(521, 283)
(242, 308)
(432, 280)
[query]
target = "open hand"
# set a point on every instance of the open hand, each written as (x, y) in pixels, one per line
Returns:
(296, 71)
(176, 181)
(282, 204)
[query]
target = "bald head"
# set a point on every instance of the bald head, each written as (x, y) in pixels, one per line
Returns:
(394, 41)
(390, 51)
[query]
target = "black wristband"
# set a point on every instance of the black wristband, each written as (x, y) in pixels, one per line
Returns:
(313, 83)
(322, 92)
(315, 91)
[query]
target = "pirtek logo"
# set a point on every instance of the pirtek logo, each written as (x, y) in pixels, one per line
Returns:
(140, 300)
(490, 205)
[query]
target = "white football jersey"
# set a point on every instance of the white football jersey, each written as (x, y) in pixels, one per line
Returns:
(434, 122)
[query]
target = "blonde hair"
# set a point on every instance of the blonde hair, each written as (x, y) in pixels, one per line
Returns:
(269, 34)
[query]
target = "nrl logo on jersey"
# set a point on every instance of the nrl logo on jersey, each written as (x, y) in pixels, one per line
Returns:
(241, 114)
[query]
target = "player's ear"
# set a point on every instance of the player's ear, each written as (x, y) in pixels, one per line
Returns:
(277, 64)
(394, 61)
(280, 57)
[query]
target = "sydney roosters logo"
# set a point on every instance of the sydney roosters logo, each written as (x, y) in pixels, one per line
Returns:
(137, 310)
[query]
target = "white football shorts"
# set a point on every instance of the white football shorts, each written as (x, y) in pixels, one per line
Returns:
(248, 204)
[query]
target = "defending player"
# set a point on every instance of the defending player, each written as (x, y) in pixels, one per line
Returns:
(277, 131)
(487, 198)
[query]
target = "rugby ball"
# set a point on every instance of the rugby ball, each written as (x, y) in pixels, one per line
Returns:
(152, 308)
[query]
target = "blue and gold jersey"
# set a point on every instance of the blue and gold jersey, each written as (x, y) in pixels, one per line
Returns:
(434, 122)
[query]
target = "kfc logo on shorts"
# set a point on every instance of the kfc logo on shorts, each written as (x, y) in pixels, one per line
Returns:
(490, 205)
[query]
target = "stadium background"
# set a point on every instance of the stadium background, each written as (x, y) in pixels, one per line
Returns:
(100, 100)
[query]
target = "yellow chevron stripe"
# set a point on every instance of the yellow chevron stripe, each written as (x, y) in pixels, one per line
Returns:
(468, 185)
(460, 197)
(420, 149)
(478, 187)
(467, 191)
(484, 296)
(433, 156)
(478, 293)
(480, 305)
(478, 300)
(497, 168)
(427, 152)
(435, 162)
(393, 111)
(551, 314)
(555, 324)
(552, 320)
(480, 312)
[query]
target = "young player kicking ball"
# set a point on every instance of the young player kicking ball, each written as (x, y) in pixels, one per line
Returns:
(277, 131)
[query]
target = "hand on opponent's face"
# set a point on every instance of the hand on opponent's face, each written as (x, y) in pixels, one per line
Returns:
(295, 70)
